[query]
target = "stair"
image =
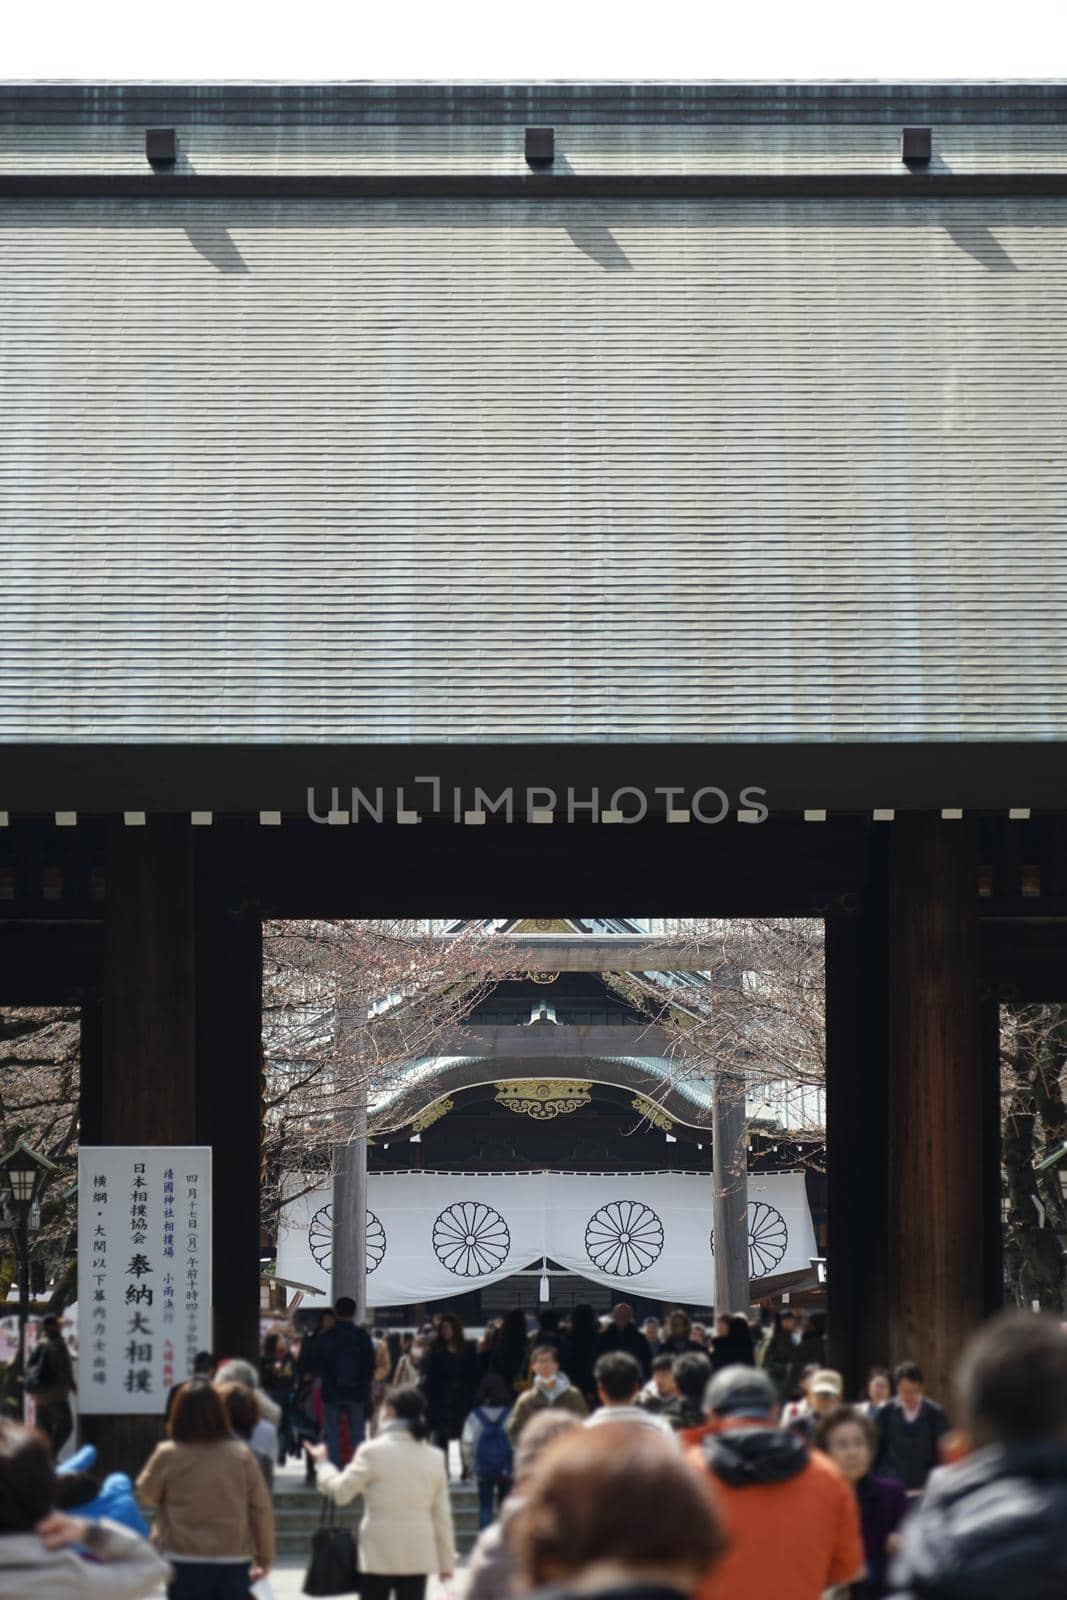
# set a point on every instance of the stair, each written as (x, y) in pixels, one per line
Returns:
(297, 1510)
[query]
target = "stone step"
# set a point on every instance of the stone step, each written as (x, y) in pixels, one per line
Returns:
(297, 1510)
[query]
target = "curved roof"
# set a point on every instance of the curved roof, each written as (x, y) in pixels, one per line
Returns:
(431, 1078)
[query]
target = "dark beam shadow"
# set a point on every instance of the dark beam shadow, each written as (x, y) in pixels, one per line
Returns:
(972, 236)
(979, 242)
(212, 239)
(595, 239)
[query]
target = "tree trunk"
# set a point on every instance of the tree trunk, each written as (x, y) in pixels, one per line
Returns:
(1034, 1256)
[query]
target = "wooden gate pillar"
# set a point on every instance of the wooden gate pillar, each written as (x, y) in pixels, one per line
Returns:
(936, 1120)
(147, 1089)
(181, 1058)
(229, 980)
(857, 1113)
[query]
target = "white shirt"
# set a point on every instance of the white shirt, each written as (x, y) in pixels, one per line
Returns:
(628, 1413)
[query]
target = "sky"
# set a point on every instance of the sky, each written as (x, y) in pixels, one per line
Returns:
(523, 39)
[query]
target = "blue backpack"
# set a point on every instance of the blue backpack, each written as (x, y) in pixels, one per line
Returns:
(492, 1453)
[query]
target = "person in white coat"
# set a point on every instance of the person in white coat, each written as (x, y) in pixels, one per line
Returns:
(46, 1555)
(406, 1532)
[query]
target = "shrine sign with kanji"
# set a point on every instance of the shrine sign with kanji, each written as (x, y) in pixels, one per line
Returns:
(144, 1273)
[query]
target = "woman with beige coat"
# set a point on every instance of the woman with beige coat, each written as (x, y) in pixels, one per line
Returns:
(215, 1523)
(406, 1533)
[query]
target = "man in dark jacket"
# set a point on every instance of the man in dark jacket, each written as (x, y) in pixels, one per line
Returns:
(910, 1429)
(50, 1380)
(344, 1360)
(622, 1333)
(994, 1525)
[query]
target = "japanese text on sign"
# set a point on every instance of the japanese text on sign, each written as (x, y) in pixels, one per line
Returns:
(144, 1272)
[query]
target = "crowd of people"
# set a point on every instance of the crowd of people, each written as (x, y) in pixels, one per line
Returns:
(610, 1461)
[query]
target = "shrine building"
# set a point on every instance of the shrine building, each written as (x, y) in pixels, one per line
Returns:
(440, 499)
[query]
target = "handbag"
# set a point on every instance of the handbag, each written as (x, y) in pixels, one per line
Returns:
(334, 1566)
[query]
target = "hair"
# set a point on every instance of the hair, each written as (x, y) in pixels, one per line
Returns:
(238, 1371)
(542, 1429)
(457, 1326)
(493, 1391)
(204, 1363)
(50, 1324)
(664, 1363)
(345, 1306)
(197, 1415)
(548, 1320)
(408, 1404)
(618, 1374)
(585, 1330)
(908, 1372)
(513, 1332)
(686, 1318)
(1012, 1380)
(622, 1494)
(876, 1372)
(544, 1350)
(241, 1407)
(691, 1373)
(737, 1328)
(786, 1311)
(827, 1426)
(74, 1489)
(27, 1478)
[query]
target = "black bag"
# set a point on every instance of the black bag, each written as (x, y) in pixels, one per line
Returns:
(40, 1369)
(333, 1568)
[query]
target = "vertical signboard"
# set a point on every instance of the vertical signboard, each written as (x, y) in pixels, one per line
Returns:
(144, 1272)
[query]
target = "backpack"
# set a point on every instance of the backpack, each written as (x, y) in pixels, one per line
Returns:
(40, 1369)
(492, 1453)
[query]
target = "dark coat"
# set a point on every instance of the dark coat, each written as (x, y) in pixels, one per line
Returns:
(450, 1381)
(630, 1339)
(883, 1507)
(780, 1359)
(908, 1451)
(344, 1360)
(992, 1527)
(681, 1347)
(731, 1350)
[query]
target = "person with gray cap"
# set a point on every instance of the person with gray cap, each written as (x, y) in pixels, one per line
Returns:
(790, 1516)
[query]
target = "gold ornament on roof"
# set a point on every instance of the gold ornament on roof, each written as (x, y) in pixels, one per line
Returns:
(543, 977)
(653, 1113)
(543, 1098)
(432, 1114)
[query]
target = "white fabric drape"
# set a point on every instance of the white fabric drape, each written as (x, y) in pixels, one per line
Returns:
(433, 1235)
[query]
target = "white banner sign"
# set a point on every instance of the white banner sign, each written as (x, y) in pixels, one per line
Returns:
(432, 1235)
(144, 1272)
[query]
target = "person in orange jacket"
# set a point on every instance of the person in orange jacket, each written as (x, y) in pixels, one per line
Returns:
(790, 1516)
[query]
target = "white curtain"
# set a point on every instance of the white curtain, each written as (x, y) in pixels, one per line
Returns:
(433, 1235)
